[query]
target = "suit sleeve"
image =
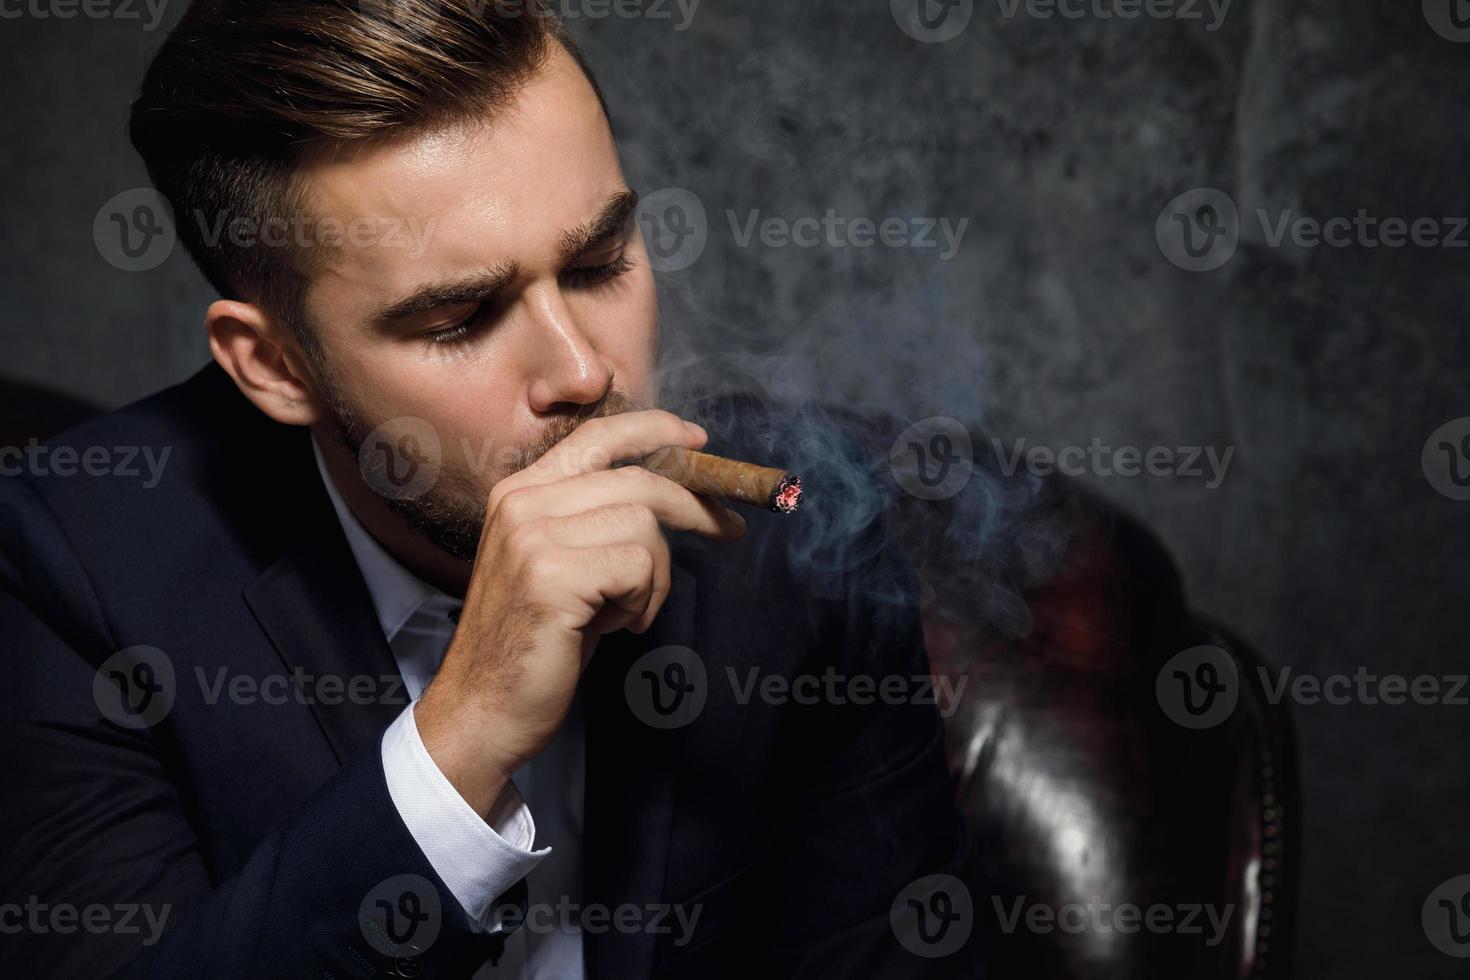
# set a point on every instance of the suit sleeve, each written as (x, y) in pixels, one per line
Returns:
(101, 874)
(870, 874)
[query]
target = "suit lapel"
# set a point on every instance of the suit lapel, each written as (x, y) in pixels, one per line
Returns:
(629, 793)
(314, 606)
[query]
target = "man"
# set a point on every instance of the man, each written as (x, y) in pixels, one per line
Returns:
(395, 670)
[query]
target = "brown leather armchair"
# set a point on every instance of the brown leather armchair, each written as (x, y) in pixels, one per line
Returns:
(1079, 789)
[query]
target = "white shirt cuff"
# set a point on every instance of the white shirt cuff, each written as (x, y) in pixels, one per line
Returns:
(479, 859)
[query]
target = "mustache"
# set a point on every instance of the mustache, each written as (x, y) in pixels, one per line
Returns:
(615, 402)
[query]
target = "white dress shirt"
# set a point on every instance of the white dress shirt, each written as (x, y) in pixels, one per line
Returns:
(478, 859)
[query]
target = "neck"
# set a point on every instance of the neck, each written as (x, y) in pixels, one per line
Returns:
(388, 527)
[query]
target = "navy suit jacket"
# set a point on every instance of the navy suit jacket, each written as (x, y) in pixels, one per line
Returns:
(262, 825)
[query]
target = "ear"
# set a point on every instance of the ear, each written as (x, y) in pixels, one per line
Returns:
(265, 362)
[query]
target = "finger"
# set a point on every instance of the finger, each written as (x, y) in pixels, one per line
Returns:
(632, 582)
(601, 442)
(675, 507)
(618, 525)
(600, 527)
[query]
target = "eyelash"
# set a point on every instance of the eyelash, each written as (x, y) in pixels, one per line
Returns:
(589, 277)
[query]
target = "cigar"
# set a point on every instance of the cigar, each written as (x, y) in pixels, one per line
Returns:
(728, 479)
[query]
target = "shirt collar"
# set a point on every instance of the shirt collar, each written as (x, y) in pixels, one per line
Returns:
(397, 593)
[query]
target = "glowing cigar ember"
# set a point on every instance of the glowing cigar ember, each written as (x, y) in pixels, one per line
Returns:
(728, 479)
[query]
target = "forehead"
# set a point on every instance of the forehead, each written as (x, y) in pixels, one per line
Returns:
(464, 198)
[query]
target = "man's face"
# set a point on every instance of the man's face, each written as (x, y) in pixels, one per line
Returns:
(513, 302)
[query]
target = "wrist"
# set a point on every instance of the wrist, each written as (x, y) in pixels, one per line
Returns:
(478, 779)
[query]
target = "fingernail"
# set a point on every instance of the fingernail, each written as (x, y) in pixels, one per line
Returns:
(697, 430)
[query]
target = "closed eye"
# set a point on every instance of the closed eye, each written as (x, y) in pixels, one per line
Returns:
(591, 276)
(576, 277)
(463, 328)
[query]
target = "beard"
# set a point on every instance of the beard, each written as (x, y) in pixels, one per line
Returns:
(450, 511)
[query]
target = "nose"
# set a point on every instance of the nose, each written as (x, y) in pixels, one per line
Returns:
(566, 370)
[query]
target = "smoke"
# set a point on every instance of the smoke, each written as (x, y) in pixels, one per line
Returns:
(851, 344)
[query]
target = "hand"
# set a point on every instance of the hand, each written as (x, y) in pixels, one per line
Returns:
(572, 549)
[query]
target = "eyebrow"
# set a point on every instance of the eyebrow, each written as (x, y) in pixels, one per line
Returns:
(476, 288)
(609, 223)
(606, 226)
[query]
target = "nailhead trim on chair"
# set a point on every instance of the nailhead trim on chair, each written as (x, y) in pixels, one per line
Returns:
(1272, 827)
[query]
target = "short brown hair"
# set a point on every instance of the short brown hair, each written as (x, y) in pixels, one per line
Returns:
(243, 90)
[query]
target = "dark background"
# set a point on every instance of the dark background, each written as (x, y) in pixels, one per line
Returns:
(1061, 140)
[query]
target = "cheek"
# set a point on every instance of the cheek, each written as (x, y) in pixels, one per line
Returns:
(459, 400)
(627, 333)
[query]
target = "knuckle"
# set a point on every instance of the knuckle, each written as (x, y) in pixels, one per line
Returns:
(636, 476)
(541, 570)
(643, 561)
(514, 505)
(642, 518)
(523, 542)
